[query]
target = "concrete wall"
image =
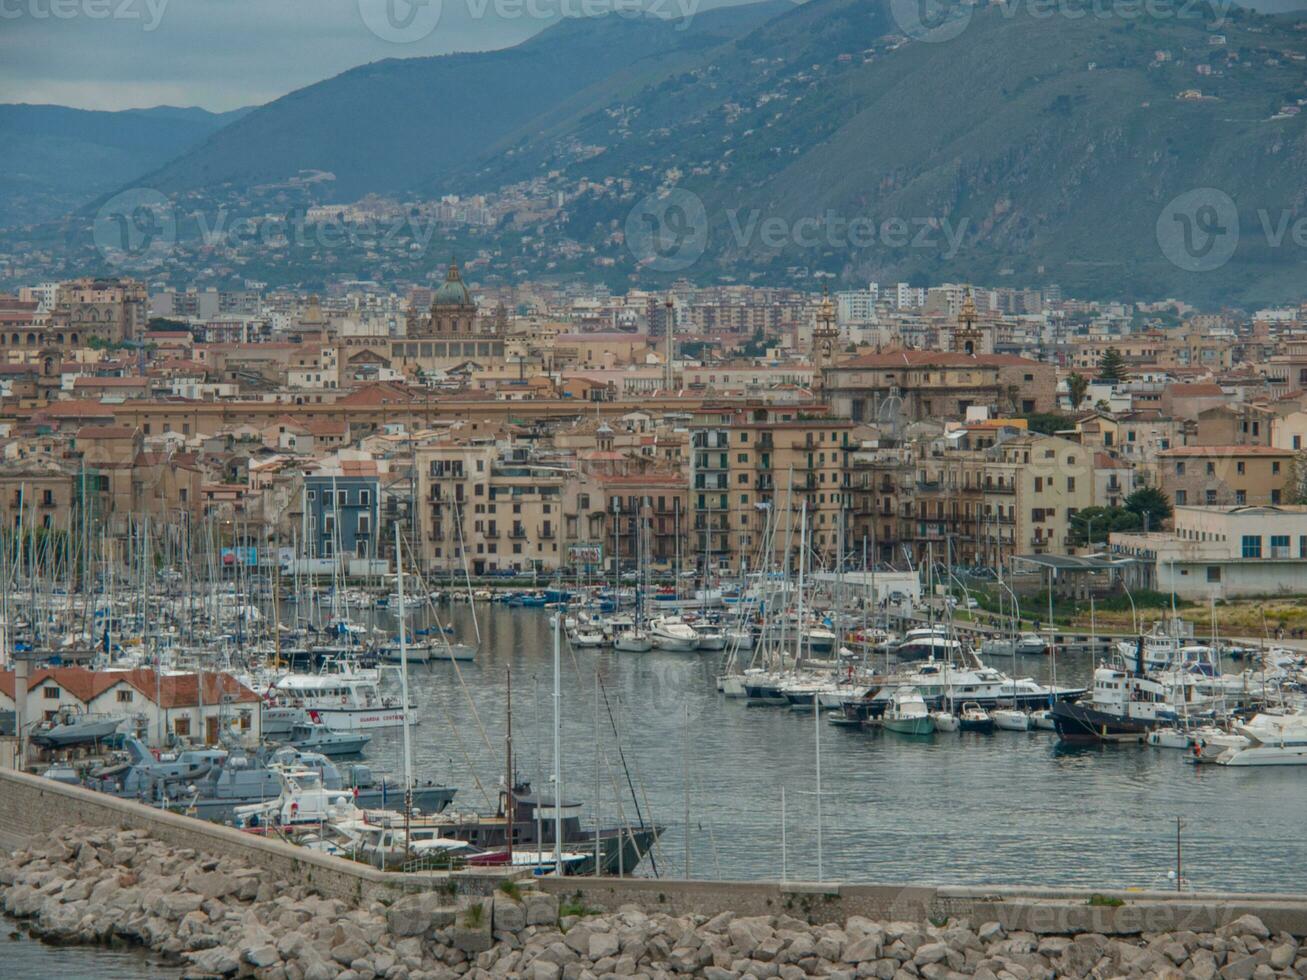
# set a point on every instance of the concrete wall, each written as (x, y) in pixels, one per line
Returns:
(31, 806)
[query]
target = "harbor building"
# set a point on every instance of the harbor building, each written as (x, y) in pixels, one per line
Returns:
(1221, 553)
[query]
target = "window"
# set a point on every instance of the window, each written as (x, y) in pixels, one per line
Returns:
(1297, 442)
(1213, 573)
(1070, 484)
(50, 693)
(1039, 484)
(1179, 469)
(1279, 546)
(1252, 546)
(1181, 497)
(1211, 469)
(365, 524)
(1210, 498)
(342, 498)
(1241, 497)
(1275, 498)
(124, 697)
(181, 726)
(1275, 466)
(1238, 468)
(365, 498)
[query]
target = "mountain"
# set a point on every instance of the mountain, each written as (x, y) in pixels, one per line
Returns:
(1026, 149)
(399, 124)
(54, 159)
(1114, 153)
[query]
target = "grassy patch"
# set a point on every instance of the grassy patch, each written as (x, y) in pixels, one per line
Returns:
(511, 889)
(1105, 901)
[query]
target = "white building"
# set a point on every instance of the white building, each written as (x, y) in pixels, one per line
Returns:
(168, 704)
(1222, 552)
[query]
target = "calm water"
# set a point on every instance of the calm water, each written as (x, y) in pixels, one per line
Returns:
(25, 957)
(1002, 808)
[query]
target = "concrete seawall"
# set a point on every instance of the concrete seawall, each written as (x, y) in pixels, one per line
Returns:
(31, 806)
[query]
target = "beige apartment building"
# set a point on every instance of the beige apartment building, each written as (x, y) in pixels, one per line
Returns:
(494, 508)
(1223, 476)
(982, 507)
(767, 468)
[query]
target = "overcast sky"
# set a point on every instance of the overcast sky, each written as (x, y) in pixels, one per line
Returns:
(223, 54)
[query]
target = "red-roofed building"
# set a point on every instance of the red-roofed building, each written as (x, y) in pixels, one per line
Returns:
(169, 703)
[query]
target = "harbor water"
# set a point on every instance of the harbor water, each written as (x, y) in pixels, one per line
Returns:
(25, 958)
(1001, 808)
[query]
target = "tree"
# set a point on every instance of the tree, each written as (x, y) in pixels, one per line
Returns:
(1151, 504)
(1111, 366)
(1077, 386)
(1099, 522)
(1047, 423)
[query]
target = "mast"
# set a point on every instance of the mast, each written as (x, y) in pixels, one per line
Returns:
(508, 785)
(558, 746)
(403, 689)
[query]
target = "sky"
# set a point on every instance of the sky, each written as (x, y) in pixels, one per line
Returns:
(224, 54)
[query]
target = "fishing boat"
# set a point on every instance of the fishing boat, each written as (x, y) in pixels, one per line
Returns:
(908, 715)
(346, 699)
(1125, 704)
(974, 718)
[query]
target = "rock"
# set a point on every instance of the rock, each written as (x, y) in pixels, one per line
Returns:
(862, 950)
(348, 951)
(510, 916)
(929, 953)
(1245, 925)
(603, 944)
(543, 970)
(218, 961)
(541, 910)
(262, 955)
(1283, 955)
(179, 903)
(1241, 968)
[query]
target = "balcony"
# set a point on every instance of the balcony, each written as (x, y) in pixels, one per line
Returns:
(765, 441)
(518, 533)
(490, 533)
(546, 532)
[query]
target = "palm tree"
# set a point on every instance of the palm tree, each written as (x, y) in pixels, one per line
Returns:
(1077, 386)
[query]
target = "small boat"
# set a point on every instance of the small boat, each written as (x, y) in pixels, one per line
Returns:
(945, 721)
(1031, 644)
(672, 634)
(1043, 721)
(907, 714)
(1011, 720)
(1169, 737)
(633, 641)
(1273, 740)
(587, 637)
(711, 637)
(313, 736)
(974, 718)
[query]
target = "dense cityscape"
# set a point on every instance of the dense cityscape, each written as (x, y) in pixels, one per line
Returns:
(772, 491)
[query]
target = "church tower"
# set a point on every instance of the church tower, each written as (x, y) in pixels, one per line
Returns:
(968, 338)
(825, 335)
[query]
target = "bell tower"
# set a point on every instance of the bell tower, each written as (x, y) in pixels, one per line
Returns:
(967, 336)
(825, 335)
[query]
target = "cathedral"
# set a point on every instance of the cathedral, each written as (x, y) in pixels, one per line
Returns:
(451, 333)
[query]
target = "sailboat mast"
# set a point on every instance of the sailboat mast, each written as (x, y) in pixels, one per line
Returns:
(558, 745)
(508, 776)
(403, 689)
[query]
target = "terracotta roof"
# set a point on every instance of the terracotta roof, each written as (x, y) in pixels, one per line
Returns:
(1195, 390)
(77, 408)
(171, 691)
(926, 358)
(106, 432)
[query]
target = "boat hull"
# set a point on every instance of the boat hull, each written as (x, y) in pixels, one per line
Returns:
(918, 726)
(1079, 724)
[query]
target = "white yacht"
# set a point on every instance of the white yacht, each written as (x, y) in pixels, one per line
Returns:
(1273, 740)
(346, 699)
(672, 634)
(711, 637)
(928, 643)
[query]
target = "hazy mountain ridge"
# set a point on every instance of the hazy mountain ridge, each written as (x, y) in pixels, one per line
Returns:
(54, 159)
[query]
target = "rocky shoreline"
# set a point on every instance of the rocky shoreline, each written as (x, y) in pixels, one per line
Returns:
(219, 917)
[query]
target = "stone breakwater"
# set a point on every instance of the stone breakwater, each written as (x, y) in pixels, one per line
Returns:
(219, 916)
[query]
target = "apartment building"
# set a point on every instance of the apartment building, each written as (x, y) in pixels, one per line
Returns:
(1223, 476)
(767, 473)
(497, 509)
(984, 506)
